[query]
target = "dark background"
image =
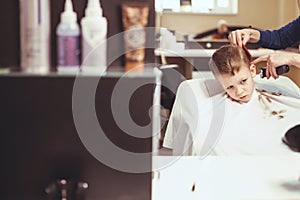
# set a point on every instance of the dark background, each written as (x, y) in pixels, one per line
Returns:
(39, 143)
(9, 22)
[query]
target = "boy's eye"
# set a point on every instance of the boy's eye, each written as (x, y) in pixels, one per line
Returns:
(229, 87)
(244, 81)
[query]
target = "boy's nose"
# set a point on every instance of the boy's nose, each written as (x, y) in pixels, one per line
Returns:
(239, 91)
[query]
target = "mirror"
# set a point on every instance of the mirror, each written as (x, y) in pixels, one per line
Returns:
(197, 6)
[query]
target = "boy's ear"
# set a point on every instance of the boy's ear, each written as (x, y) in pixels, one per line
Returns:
(253, 70)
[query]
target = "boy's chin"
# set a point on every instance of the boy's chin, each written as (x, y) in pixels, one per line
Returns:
(245, 101)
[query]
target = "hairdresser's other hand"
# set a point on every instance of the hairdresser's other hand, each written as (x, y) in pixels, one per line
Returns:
(275, 60)
(242, 36)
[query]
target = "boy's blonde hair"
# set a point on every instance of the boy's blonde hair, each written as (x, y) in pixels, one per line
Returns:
(228, 59)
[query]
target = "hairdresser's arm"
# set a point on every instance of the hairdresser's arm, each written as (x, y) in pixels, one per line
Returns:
(277, 39)
(281, 38)
(278, 59)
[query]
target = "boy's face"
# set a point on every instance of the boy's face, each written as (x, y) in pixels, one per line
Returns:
(239, 86)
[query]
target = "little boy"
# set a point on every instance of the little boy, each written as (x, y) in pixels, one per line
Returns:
(232, 68)
(249, 121)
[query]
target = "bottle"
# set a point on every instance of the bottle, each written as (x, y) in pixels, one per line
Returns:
(94, 33)
(68, 33)
(35, 35)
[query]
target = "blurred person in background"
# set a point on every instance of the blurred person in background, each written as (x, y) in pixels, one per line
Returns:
(222, 30)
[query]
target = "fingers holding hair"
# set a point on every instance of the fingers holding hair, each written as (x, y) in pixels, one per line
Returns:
(246, 38)
(232, 38)
(235, 38)
(239, 38)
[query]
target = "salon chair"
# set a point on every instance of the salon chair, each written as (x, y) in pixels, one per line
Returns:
(171, 79)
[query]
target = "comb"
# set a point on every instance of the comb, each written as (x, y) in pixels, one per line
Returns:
(248, 54)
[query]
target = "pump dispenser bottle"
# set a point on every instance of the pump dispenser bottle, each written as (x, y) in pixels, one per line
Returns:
(94, 33)
(68, 33)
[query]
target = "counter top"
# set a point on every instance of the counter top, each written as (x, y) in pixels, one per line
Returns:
(13, 72)
(204, 53)
(226, 177)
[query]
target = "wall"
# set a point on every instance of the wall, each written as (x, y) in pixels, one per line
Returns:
(265, 14)
(287, 11)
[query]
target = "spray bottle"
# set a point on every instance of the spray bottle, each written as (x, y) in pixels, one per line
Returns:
(68, 33)
(35, 35)
(94, 33)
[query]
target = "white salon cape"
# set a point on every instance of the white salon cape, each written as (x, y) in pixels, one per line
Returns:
(219, 126)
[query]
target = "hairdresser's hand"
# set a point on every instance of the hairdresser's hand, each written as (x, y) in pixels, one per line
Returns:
(275, 60)
(240, 37)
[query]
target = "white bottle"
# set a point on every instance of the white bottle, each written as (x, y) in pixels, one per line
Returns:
(68, 33)
(35, 35)
(94, 33)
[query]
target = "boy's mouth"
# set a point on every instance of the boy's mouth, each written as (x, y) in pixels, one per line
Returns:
(243, 97)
